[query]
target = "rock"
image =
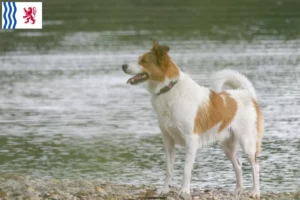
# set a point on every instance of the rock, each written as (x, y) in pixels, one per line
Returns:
(27, 181)
(101, 191)
(30, 190)
(150, 193)
(170, 198)
(3, 195)
(84, 183)
(84, 192)
(33, 197)
(14, 185)
(45, 195)
(55, 181)
(17, 193)
(64, 194)
(53, 197)
(140, 192)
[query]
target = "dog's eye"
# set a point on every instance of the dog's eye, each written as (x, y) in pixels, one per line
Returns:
(143, 61)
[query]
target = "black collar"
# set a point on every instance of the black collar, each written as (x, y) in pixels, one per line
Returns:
(167, 88)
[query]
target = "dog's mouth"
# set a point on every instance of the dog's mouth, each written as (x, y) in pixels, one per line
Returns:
(140, 77)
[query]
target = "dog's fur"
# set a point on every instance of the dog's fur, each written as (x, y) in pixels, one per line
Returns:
(195, 116)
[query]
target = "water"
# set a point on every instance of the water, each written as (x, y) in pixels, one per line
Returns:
(66, 110)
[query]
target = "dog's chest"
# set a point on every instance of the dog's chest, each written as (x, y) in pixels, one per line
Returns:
(168, 121)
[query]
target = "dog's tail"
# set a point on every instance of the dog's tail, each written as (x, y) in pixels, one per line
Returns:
(233, 79)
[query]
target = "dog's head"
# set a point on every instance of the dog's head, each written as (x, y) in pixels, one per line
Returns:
(155, 66)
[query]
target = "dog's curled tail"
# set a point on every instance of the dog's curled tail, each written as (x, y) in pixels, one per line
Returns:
(233, 79)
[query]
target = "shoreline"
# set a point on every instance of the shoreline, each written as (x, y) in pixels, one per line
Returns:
(15, 187)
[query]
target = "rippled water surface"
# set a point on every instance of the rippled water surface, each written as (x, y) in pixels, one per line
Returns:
(66, 110)
(71, 114)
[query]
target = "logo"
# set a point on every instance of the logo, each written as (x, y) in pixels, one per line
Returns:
(30, 14)
(22, 15)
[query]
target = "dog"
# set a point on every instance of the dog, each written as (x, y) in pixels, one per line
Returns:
(194, 116)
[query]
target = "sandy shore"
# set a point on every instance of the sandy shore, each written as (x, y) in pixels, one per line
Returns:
(15, 187)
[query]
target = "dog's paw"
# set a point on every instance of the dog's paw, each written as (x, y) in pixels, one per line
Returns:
(238, 191)
(163, 190)
(185, 194)
(255, 194)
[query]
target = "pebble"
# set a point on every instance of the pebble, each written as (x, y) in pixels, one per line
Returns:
(55, 181)
(33, 197)
(170, 198)
(3, 195)
(17, 193)
(101, 191)
(30, 190)
(14, 185)
(140, 191)
(53, 197)
(27, 181)
(64, 194)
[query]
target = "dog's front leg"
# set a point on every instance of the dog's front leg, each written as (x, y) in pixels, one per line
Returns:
(191, 150)
(170, 155)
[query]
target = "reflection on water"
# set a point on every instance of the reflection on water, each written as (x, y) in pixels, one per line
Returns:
(71, 114)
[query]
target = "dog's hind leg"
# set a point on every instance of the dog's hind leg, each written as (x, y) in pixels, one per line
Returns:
(169, 146)
(249, 147)
(255, 173)
(230, 148)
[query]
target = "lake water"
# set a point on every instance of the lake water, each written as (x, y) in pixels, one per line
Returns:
(66, 110)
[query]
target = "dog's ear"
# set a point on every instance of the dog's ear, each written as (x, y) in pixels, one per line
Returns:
(164, 49)
(155, 46)
(161, 49)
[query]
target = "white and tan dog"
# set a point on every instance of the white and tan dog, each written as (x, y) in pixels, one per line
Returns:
(195, 116)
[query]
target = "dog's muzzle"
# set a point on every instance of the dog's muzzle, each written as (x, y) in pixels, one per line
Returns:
(139, 75)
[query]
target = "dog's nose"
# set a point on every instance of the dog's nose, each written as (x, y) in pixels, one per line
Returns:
(124, 67)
